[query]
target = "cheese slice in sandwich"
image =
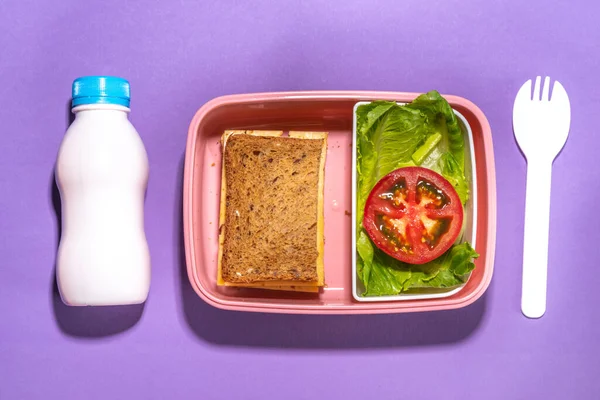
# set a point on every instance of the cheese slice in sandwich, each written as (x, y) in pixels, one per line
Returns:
(271, 212)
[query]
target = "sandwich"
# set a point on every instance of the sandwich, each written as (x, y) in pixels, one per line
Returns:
(271, 210)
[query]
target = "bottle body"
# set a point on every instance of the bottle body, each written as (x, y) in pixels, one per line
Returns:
(102, 173)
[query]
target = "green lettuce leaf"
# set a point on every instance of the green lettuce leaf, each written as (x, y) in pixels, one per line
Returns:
(387, 137)
(437, 109)
(389, 276)
(448, 167)
(365, 250)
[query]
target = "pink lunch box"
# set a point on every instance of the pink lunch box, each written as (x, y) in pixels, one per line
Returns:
(330, 111)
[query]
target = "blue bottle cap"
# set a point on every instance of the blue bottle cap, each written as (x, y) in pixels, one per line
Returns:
(100, 90)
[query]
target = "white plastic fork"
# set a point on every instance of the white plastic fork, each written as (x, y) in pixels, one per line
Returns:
(541, 126)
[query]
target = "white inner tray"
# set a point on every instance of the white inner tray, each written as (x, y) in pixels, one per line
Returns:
(469, 234)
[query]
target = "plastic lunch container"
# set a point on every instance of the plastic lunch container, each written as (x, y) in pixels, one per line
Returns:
(331, 111)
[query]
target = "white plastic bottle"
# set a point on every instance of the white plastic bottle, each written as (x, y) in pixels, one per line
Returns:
(102, 173)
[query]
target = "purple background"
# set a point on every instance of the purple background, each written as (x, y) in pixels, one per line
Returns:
(180, 54)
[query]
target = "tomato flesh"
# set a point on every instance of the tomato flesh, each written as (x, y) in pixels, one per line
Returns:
(413, 214)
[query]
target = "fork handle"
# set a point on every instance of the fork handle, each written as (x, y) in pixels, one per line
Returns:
(535, 245)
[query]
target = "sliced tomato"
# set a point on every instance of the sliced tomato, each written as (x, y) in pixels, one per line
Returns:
(413, 214)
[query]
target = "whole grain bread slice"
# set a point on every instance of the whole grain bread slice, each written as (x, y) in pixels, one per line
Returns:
(272, 210)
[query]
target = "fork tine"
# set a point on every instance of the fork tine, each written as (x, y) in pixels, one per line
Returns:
(559, 93)
(523, 95)
(546, 89)
(525, 90)
(560, 97)
(536, 88)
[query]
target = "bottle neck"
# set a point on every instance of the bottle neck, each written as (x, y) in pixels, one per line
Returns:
(102, 109)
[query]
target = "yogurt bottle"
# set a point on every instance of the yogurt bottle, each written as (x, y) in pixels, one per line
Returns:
(102, 173)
